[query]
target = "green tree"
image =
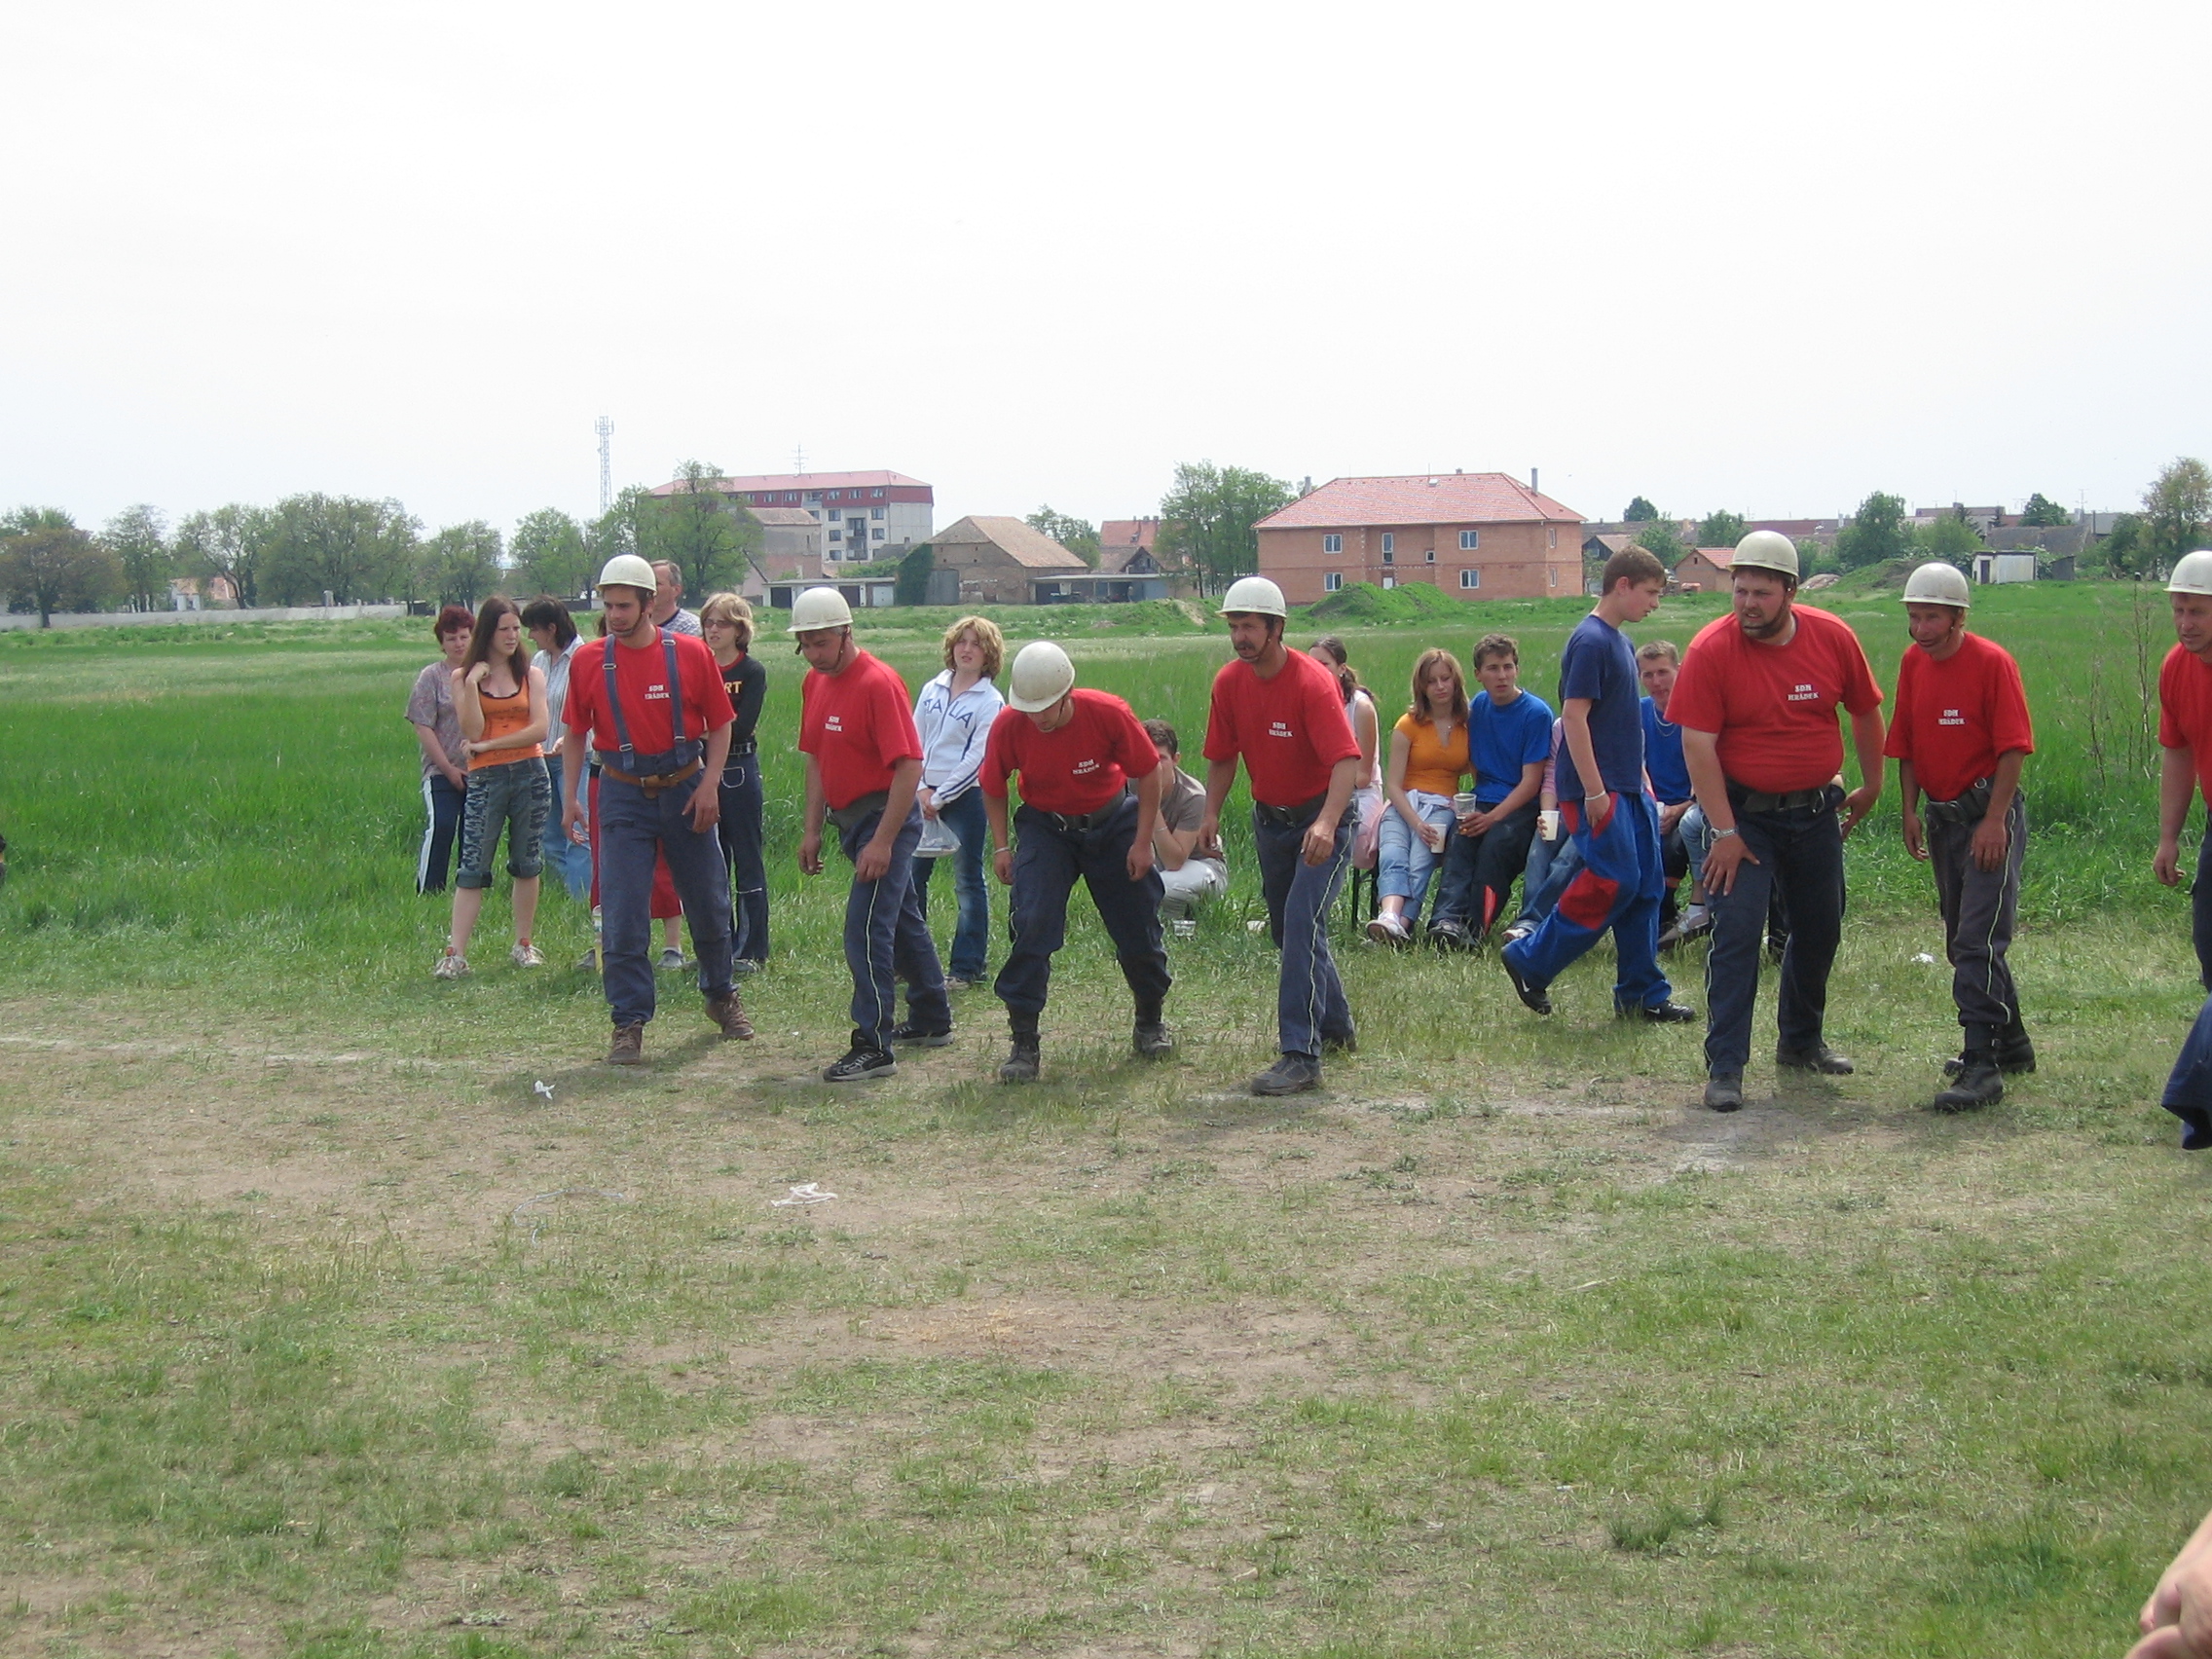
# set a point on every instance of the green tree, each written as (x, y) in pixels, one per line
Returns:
(232, 543)
(629, 525)
(1659, 537)
(1876, 532)
(2044, 513)
(709, 537)
(1722, 529)
(915, 572)
(51, 566)
(1077, 536)
(1207, 519)
(551, 555)
(460, 564)
(1639, 511)
(356, 551)
(2124, 550)
(2175, 510)
(140, 539)
(1951, 537)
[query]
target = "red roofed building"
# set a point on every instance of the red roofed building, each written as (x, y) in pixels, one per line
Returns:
(1707, 567)
(864, 515)
(1476, 535)
(1128, 545)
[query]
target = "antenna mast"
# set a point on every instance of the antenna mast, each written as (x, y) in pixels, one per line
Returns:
(605, 429)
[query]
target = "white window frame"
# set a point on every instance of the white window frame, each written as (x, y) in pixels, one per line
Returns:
(1332, 543)
(876, 512)
(1390, 542)
(1332, 581)
(1471, 579)
(1470, 540)
(1433, 556)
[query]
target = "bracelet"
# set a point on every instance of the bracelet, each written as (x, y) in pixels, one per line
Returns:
(1722, 835)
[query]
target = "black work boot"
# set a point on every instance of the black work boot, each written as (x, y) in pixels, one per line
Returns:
(1149, 1037)
(1978, 1084)
(1022, 1059)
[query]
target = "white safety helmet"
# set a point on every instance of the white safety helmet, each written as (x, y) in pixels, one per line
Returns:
(627, 569)
(1042, 676)
(1938, 583)
(1766, 550)
(820, 608)
(1255, 595)
(2192, 573)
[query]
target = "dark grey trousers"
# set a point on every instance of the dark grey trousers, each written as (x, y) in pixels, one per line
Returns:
(1979, 910)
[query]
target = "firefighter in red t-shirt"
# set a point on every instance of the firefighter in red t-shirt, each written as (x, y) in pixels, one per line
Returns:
(1089, 799)
(1959, 732)
(1282, 714)
(2185, 734)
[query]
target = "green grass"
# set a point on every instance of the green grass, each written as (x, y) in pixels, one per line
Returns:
(1495, 1348)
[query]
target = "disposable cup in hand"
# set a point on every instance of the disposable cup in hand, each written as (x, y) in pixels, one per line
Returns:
(1547, 825)
(1464, 804)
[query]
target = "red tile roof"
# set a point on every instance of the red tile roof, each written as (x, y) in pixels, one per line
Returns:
(1444, 498)
(1722, 558)
(1018, 540)
(1130, 533)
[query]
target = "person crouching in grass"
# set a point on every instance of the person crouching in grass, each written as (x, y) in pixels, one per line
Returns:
(501, 702)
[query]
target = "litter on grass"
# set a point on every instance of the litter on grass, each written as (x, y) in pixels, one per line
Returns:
(543, 1088)
(809, 1193)
(1925, 960)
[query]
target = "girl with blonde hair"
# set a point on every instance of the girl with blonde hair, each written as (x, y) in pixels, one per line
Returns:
(953, 715)
(1429, 756)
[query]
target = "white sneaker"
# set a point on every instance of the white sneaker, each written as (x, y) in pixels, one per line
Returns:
(451, 965)
(1514, 933)
(527, 956)
(1387, 929)
(1697, 919)
(673, 961)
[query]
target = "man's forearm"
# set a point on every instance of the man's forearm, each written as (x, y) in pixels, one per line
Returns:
(2004, 782)
(1341, 778)
(1148, 807)
(717, 753)
(1866, 735)
(1221, 777)
(2177, 780)
(1701, 754)
(817, 806)
(995, 814)
(899, 799)
(1574, 726)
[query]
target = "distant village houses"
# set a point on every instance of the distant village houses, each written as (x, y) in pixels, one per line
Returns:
(1476, 534)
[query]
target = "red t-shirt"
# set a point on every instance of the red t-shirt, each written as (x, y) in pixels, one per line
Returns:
(1773, 707)
(641, 679)
(1077, 768)
(2185, 711)
(858, 725)
(1953, 719)
(1291, 730)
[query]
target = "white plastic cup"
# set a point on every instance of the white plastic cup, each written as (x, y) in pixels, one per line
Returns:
(1547, 825)
(1464, 804)
(1184, 927)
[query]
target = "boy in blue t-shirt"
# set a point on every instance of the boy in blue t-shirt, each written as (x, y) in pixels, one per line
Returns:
(1603, 800)
(1509, 739)
(1656, 664)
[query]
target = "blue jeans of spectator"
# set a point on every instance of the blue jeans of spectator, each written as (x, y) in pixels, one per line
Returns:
(2200, 910)
(511, 795)
(572, 862)
(1544, 877)
(740, 834)
(2189, 1087)
(1479, 872)
(1800, 855)
(964, 816)
(1403, 861)
(1617, 888)
(1048, 862)
(887, 940)
(1310, 997)
(441, 804)
(633, 829)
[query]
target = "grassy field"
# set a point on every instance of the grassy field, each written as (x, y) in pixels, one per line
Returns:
(326, 1333)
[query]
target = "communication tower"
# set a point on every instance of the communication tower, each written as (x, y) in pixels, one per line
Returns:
(605, 430)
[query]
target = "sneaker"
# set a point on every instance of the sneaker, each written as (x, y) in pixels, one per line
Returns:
(1291, 1074)
(1820, 1057)
(1978, 1084)
(861, 1065)
(955, 982)
(673, 961)
(1660, 1013)
(451, 965)
(588, 963)
(1696, 921)
(629, 1045)
(729, 1012)
(1532, 997)
(1725, 1091)
(1151, 1040)
(527, 955)
(745, 965)
(920, 1037)
(1514, 935)
(1022, 1060)
(1389, 929)
(1448, 935)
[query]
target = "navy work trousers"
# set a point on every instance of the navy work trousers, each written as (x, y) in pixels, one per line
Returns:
(1479, 872)
(632, 830)
(1048, 860)
(1979, 910)
(1802, 852)
(740, 832)
(1309, 997)
(888, 940)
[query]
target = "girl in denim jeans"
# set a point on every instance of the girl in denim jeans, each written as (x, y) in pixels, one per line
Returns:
(501, 700)
(1429, 756)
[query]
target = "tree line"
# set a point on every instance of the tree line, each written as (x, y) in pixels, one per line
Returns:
(358, 551)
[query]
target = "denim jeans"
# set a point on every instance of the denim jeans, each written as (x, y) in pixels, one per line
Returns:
(572, 862)
(637, 833)
(1403, 863)
(2200, 910)
(972, 932)
(1479, 872)
(1048, 862)
(1309, 997)
(1800, 854)
(1544, 877)
(512, 795)
(2189, 1087)
(887, 940)
(441, 805)
(740, 834)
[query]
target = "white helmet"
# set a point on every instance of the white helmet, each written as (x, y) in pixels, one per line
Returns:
(820, 608)
(627, 569)
(1042, 676)
(1938, 583)
(1766, 550)
(2192, 573)
(1255, 595)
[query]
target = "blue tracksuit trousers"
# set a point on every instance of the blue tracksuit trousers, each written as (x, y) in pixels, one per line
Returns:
(1618, 887)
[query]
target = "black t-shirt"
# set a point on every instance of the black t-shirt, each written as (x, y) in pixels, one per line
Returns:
(747, 683)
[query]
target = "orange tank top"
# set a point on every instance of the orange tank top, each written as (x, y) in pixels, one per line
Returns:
(502, 715)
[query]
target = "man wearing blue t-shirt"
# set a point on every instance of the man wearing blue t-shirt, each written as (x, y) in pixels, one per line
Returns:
(1509, 741)
(1602, 797)
(1656, 664)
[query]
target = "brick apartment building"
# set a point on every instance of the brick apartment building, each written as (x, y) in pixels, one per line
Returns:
(864, 515)
(1476, 535)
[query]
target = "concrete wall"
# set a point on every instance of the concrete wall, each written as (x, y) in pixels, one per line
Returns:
(160, 618)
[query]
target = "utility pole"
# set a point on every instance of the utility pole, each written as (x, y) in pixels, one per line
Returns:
(605, 429)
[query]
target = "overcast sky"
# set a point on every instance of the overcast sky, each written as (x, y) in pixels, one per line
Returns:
(1765, 257)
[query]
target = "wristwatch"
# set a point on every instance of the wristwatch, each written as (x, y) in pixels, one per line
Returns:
(1723, 835)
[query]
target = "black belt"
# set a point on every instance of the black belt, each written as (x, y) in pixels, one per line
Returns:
(745, 747)
(653, 786)
(1081, 822)
(1292, 817)
(1969, 807)
(855, 812)
(1789, 800)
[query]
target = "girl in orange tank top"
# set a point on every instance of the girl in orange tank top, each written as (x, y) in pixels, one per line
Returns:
(501, 701)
